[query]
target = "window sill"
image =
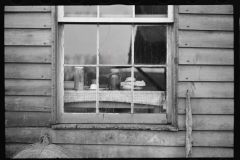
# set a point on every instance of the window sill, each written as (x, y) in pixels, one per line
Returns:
(116, 127)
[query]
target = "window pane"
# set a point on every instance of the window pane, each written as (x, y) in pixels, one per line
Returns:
(80, 11)
(151, 10)
(116, 11)
(78, 97)
(115, 44)
(112, 97)
(80, 44)
(150, 44)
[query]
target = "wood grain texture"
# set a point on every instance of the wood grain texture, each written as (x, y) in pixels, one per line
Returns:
(93, 151)
(205, 73)
(206, 89)
(27, 54)
(30, 119)
(209, 39)
(27, 103)
(27, 20)
(27, 87)
(207, 106)
(206, 9)
(27, 8)
(206, 56)
(28, 71)
(208, 122)
(205, 22)
(120, 137)
(40, 37)
(117, 151)
(213, 152)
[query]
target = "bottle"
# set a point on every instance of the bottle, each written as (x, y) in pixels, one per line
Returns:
(114, 80)
(79, 78)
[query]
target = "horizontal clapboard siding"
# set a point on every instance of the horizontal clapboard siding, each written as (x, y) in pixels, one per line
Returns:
(27, 119)
(27, 8)
(205, 73)
(28, 103)
(123, 137)
(27, 20)
(27, 54)
(206, 56)
(209, 39)
(93, 151)
(206, 89)
(24, 37)
(28, 71)
(27, 87)
(207, 106)
(206, 22)
(208, 122)
(206, 9)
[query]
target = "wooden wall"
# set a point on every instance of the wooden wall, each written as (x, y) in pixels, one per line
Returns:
(205, 67)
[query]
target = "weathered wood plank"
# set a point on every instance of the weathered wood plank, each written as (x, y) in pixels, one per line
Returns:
(23, 119)
(212, 152)
(208, 122)
(206, 89)
(27, 54)
(27, 37)
(207, 106)
(205, 22)
(113, 151)
(120, 137)
(206, 9)
(89, 151)
(28, 71)
(206, 56)
(211, 39)
(27, 8)
(27, 20)
(27, 87)
(28, 103)
(205, 73)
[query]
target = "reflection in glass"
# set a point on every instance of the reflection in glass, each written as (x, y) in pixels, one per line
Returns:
(80, 44)
(82, 100)
(154, 78)
(80, 11)
(150, 45)
(117, 100)
(89, 75)
(151, 10)
(116, 11)
(115, 44)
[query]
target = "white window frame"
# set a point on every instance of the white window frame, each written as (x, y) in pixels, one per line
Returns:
(62, 117)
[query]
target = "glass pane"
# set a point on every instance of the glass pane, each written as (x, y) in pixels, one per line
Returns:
(116, 11)
(115, 44)
(80, 11)
(148, 87)
(150, 79)
(80, 44)
(78, 94)
(151, 10)
(150, 44)
(113, 95)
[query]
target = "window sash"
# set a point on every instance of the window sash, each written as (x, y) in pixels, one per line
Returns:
(114, 117)
(168, 19)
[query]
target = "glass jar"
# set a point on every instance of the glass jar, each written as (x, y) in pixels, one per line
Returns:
(114, 80)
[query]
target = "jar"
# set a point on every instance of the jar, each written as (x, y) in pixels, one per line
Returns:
(79, 78)
(114, 80)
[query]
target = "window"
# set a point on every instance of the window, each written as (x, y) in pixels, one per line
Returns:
(115, 64)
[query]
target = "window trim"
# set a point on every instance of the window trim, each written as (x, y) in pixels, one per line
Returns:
(58, 114)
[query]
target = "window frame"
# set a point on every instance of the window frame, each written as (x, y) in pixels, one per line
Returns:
(74, 118)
